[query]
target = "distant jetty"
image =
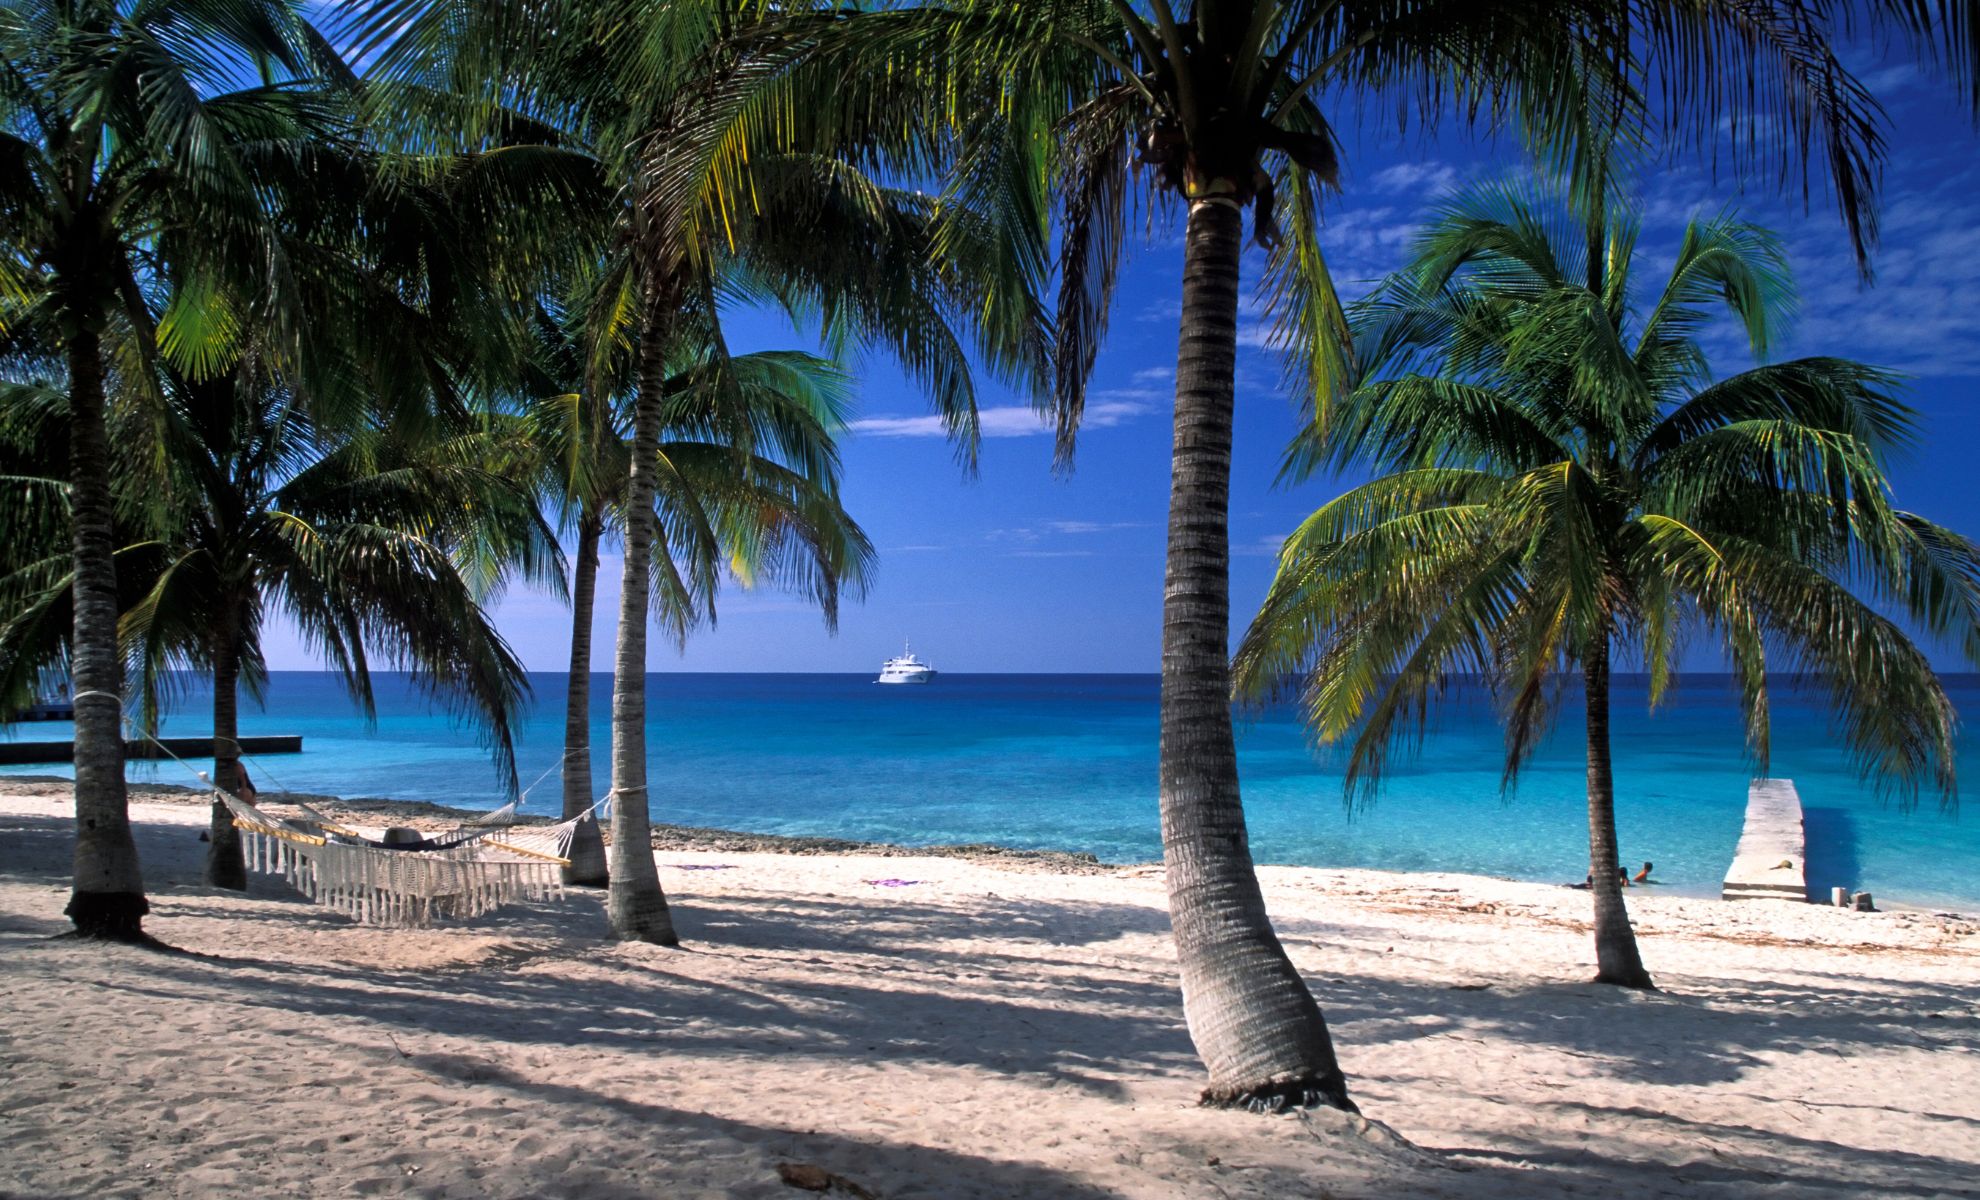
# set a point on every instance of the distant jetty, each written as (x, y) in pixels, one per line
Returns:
(1769, 862)
(16, 753)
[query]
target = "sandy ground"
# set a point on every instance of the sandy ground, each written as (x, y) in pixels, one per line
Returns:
(982, 1032)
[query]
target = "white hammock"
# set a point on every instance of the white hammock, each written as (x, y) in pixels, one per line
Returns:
(460, 874)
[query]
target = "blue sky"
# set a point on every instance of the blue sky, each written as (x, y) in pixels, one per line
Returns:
(1019, 569)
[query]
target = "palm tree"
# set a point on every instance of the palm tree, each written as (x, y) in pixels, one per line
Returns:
(745, 491)
(36, 556)
(126, 162)
(1566, 478)
(582, 458)
(662, 95)
(1044, 102)
(361, 539)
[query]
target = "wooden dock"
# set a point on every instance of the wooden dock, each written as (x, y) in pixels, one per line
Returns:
(1769, 862)
(17, 753)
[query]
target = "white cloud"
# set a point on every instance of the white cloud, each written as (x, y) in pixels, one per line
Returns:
(1418, 178)
(1368, 229)
(1884, 80)
(1037, 540)
(1011, 421)
(1090, 526)
(1265, 547)
(1760, 128)
(899, 426)
(1919, 317)
(1003, 421)
(1104, 410)
(1154, 374)
(1258, 335)
(727, 606)
(1134, 395)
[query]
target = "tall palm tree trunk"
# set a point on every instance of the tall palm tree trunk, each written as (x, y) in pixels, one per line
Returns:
(226, 867)
(108, 901)
(1254, 1023)
(636, 905)
(587, 852)
(1616, 959)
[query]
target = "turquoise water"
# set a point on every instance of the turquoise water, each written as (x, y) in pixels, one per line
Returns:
(1068, 762)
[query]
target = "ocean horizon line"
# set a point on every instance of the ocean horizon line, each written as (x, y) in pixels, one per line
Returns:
(1566, 679)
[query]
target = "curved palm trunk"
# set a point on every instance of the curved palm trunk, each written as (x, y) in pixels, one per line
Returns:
(1616, 959)
(636, 905)
(587, 852)
(108, 901)
(1254, 1023)
(226, 867)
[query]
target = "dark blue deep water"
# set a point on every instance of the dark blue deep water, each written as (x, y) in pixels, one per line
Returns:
(1068, 762)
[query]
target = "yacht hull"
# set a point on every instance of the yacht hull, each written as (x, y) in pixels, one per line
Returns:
(905, 669)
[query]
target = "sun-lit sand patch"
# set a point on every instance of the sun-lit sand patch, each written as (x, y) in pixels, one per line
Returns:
(971, 1032)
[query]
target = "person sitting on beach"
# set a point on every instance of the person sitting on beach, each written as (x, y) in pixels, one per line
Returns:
(1643, 876)
(243, 786)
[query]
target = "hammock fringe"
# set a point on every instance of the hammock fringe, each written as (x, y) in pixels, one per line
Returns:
(457, 876)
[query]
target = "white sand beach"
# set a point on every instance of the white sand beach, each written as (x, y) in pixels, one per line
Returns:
(977, 1032)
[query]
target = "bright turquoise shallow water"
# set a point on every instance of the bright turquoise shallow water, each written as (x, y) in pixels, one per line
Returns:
(1068, 762)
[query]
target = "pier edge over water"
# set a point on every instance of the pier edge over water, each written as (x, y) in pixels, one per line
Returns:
(1770, 862)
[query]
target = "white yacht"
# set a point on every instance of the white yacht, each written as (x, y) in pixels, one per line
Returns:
(905, 669)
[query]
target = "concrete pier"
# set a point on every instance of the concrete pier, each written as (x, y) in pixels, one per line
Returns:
(1769, 862)
(16, 753)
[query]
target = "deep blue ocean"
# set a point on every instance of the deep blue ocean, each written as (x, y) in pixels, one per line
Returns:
(1068, 762)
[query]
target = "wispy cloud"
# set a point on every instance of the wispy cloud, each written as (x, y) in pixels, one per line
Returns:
(1919, 317)
(1265, 547)
(1004, 421)
(1754, 128)
(1104, 410)
(755, 605)
(1421, 179)
(1078, 527)
(1043, 539)
(1154, 374)
(1021, 533)
(1882, 81)
(1377, 230)
(1259, 335)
